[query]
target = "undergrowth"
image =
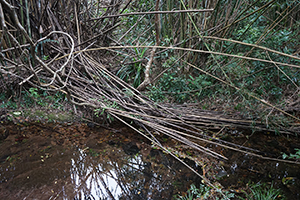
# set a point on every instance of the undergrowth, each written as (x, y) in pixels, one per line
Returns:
(204, 192)
(31, 98)
(256, 191)
(262, 192)
(268, 82)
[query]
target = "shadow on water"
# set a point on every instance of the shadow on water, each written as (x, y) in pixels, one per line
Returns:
(245, 168)
(47, 162)
(74, 161)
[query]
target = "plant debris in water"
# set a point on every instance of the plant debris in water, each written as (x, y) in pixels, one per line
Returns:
(70, 161)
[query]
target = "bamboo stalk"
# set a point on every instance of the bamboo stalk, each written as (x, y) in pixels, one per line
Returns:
(152, 13)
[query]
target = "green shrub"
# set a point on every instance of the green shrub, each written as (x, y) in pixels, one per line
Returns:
(179, 88)
(292, 156)
(263, 192)
(204, 192)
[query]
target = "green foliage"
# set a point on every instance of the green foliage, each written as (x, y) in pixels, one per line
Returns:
(27, 100)
(265, 80)
(263, 192)
(254, 77)
(93, 153)
(56, 99)
(204, 192)
(31, 97)
(101, 111)
(133, 73)
(292, 156)
(178, 88)
(5, 103)
(137, 29)
(37, 97)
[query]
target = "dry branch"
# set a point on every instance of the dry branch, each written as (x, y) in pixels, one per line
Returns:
(153, 12)
(87, 82)
(192, 50)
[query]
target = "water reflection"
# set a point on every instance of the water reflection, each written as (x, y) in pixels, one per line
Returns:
(121, 176)
(41, 167)
(94, 180)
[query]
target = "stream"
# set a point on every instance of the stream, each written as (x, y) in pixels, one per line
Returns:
(80, 161)
(54, 161)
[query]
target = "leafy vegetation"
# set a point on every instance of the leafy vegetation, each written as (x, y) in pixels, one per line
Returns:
(241, 56)
(205, 192)
(256, 191)
(268, 82)
(263, 192)
(179, 89)
(292, 156)
(31, 97)
(134, 72)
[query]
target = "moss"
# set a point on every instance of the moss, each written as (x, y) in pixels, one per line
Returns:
(48, 115)
(40, 113)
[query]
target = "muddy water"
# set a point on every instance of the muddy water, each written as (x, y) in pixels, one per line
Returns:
(246, 169)
(75, 161)
(61, 161)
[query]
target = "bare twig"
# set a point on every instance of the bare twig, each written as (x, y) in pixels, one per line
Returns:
(153, 12)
